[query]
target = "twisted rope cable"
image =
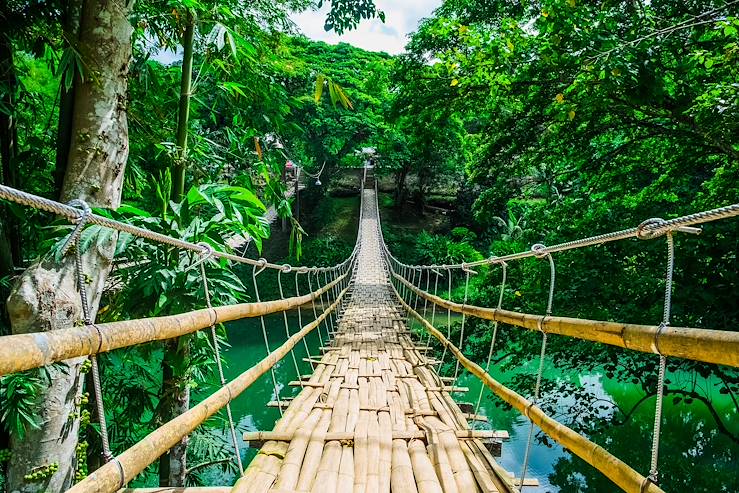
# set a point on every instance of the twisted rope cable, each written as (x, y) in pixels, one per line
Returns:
(87, 316)
(666, 308)
(74, 214)
(644, 231)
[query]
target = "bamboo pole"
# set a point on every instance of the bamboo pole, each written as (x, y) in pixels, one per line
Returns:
(707, 345)
(612, 467)
(19, 352)
(268, 436)
(111, 476)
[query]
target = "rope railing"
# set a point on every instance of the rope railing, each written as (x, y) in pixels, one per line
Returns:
(649, 229)
(611, 466)
(20, 352)
(705, 345)
(75, 214)
(124, 467)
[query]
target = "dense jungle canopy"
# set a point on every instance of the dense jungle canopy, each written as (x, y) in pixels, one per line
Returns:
(504, 124)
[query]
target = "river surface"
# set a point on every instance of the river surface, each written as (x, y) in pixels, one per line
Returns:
(694, 455)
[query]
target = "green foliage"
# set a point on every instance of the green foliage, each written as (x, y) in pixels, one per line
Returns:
(21, 393)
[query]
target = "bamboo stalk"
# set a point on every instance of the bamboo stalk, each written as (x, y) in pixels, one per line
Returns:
(21, 352)
(613, 468)
(707, 345)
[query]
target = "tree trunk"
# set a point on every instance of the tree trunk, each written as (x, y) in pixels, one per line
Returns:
(46, 296)
(10, 245)
(183, 117)
(175, 379)
(175, 401)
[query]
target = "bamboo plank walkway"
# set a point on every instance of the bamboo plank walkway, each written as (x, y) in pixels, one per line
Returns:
(374, 416)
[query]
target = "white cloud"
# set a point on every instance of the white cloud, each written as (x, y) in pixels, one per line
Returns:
(401, 18)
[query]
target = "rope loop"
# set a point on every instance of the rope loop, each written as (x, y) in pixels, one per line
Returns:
(287, 268)
(261, 264)
(647, 234)
(539, 250)
(660, 329)
(85, 213)
(206, 253)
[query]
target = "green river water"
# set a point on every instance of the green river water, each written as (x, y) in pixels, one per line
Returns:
(694, 455)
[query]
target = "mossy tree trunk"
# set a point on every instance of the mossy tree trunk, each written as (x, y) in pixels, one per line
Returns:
(46, 296)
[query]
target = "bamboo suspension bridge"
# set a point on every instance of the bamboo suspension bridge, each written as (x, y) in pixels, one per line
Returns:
(374, 415)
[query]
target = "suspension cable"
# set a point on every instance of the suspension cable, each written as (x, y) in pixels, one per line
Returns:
(74, 213)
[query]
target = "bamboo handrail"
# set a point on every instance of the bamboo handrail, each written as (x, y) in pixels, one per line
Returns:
(20, 352)
(611, 466)
(111, 476)
(706, 345)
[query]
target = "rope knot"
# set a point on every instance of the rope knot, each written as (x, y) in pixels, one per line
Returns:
(539, 250)
(287, 268)
(85, 212)
(649, 228)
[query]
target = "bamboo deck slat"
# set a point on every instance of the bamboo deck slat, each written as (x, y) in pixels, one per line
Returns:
(374, 416)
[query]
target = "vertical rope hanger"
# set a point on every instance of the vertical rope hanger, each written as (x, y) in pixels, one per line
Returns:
(433, 310)
(73, 240)
(287, 268)
(653, 476)
(552, 277)
(448, 317)
(300, 321)
(254, 274)
(467, 272)
(313, 305)
(494, 337)
(208, 251)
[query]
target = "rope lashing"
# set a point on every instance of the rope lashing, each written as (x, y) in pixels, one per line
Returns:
(87, 318)
(254, 274)
(653, 476)
(467, 272)
(300, 319)
(81, 221)
(495, 334)
(540, 251)
(207, 252)
(287, 269)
